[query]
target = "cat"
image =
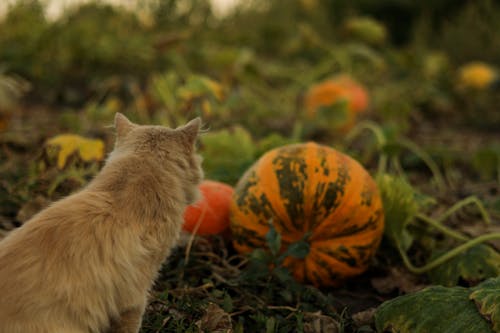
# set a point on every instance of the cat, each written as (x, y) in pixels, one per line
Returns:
(86, 263)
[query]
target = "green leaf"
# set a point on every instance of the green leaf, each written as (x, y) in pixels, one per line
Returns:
(198, 86)
(400, 206)
(273, 239)
(487, 298)
(227, 154)
(283, 274)
(271, 325)
(367, 29)
(271, 141)
(434, 309)
(227, 303)
(486, 161)
(298, 249)
(476, 264)
(260, 255)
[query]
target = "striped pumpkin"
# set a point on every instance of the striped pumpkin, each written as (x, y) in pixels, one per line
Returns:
(310, 189)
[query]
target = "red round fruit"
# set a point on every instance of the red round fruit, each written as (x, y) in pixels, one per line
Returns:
(211, 212)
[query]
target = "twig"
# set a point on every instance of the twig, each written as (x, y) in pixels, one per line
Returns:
(193, 234)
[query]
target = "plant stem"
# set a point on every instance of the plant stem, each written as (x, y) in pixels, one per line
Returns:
(381, 142)
(411, 146)
(447, 256)
(370, 126)
(441, 227)
(465, 202)
(399, 169)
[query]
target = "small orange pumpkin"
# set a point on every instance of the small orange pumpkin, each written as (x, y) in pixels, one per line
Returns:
(310, 189)
(211, 212)
(335, 90)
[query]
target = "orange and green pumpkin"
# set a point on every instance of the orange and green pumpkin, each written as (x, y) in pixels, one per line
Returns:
(310, 189)
(341, 88)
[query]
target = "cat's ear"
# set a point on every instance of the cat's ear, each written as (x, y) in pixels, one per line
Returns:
(122, 125)
(190, 131)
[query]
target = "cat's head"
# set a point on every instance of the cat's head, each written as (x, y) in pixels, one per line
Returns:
(173, 149)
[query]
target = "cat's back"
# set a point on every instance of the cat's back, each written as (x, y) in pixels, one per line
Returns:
(54, 261)
(61, 224)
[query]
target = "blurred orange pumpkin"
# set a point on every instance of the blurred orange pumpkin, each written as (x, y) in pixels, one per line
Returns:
(211, 212)
(339, 89)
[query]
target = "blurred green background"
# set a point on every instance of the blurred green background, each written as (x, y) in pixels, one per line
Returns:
(429, 70)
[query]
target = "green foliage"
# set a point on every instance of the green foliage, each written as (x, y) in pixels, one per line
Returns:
(486, 161)
(367, 30)
(273, 140)
(94, 42)
(11, 90)
(476, 264)
(487, 299)
(443, 309)
(227, 154)
(400, 207)
(25, 21)
(475, 29)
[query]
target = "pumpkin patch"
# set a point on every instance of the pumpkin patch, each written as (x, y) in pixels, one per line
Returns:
(210, 214)
(312, 192)
(289, 242)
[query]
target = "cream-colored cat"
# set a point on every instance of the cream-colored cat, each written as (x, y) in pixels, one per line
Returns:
(86, 263)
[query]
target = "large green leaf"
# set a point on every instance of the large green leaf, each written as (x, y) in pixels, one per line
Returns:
(441, 309)
(434, 309)
(476, 264)
(487, 298)
(400, 207)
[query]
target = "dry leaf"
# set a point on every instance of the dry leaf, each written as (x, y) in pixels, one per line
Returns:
(319, 323)
(397, 278)
(68, 144)
(215, 320)
(364, 317)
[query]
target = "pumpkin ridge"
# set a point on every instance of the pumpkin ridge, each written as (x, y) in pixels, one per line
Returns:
(352, 229)
(270, 181)
(330, 267)
(290, 172)
(331, 192)
(359, 186)
(247, 238)
(348, 265)
(311, 187)
(340, 208)
(257, 202)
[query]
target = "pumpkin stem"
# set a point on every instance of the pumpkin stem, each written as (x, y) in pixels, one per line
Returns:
(447, 256)
(467, 201)
(441, 227)
(379, 136)
(396, 163)
(370, 126)
(426, 158)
